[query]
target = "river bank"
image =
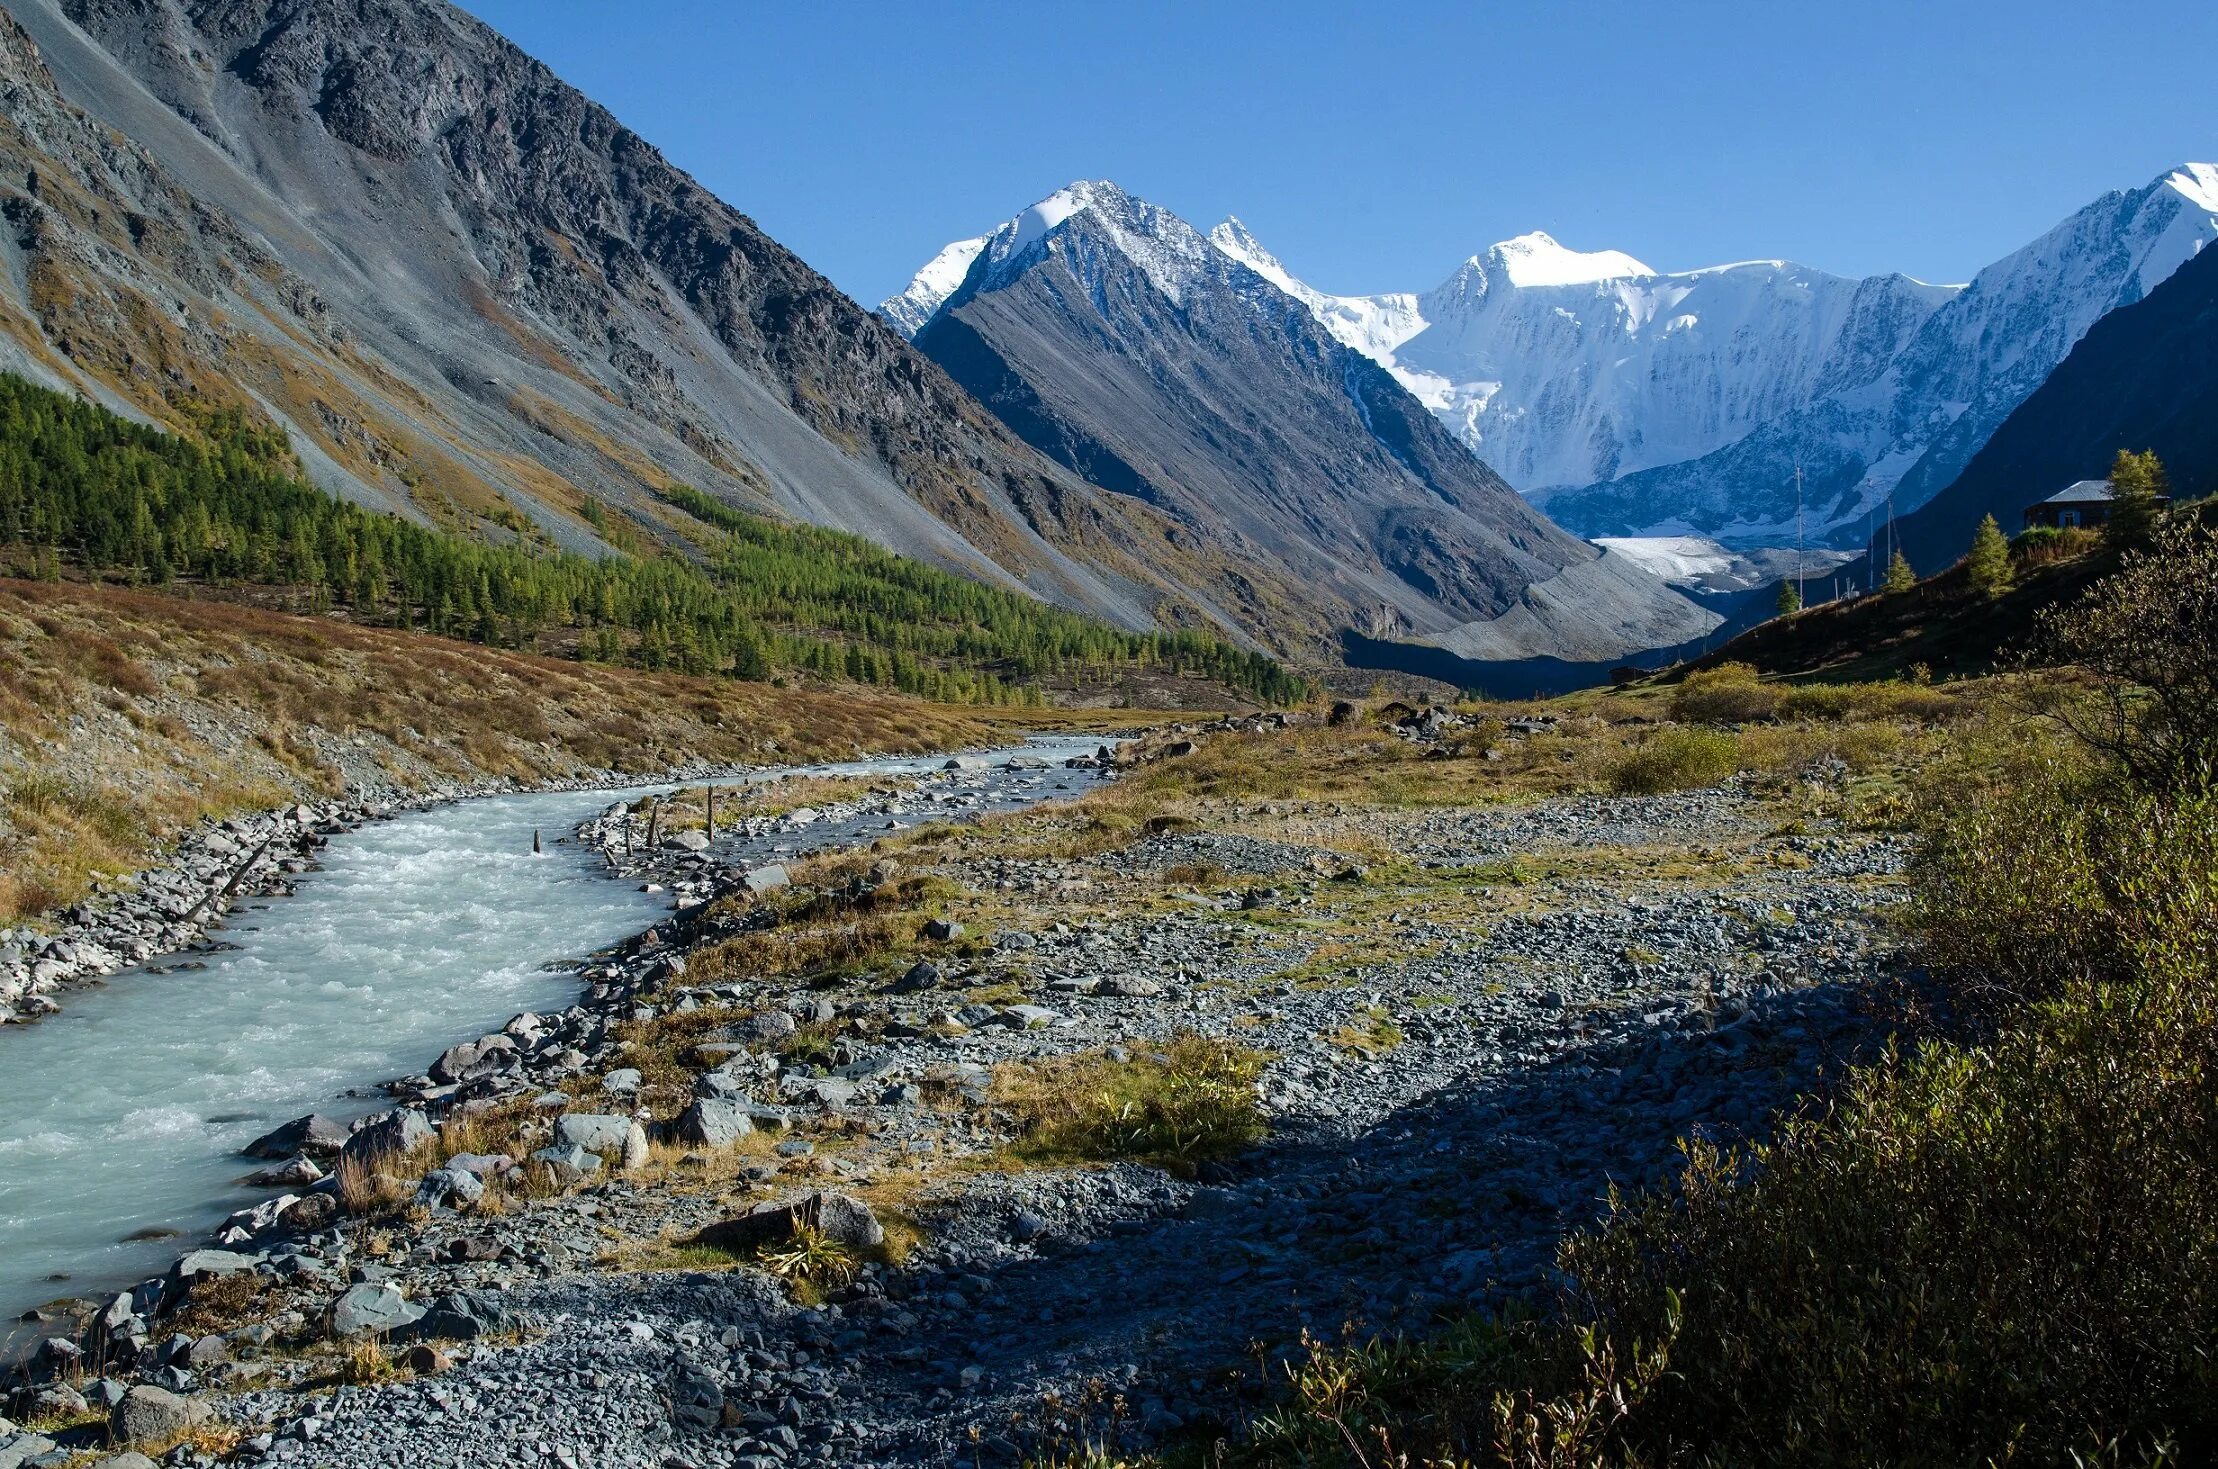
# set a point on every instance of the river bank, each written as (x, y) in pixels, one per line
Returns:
(407, 929)
(1493, 1011)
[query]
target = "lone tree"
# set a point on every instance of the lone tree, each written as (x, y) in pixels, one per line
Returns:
(1900, 578)
(2137, 483)
(1989, 562)
(1790, 600)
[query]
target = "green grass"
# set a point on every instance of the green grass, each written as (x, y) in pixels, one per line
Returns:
(1178, 1104)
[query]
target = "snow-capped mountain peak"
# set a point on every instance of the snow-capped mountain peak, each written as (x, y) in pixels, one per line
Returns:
(1161, 244)
(1535, 259)
(940, 278)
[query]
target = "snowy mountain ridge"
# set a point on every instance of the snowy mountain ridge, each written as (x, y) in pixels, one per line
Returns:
(1634, 402)
(1127, 346)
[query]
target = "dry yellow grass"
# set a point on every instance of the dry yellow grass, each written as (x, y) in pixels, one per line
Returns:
(126, 716)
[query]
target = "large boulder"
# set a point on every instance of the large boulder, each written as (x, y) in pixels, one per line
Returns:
(373, 1308)
(153, 1415)
(837, 1217)
(396, 1134)
(459, 1316)
(715, 1122)
(315, 1135)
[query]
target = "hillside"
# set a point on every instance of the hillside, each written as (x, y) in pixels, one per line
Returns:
(84, 490)
(2144, 377)
(466, 292)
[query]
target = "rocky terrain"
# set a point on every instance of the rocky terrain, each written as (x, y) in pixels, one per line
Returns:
(1469, 1023)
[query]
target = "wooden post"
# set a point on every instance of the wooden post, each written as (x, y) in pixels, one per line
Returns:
(711, 791)
(654, 824)
(535, 841)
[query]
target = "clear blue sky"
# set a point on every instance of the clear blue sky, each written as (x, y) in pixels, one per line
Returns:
(1373, 146)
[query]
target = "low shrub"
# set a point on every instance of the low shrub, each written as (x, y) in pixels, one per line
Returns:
(1676, 760)
(1730, 693)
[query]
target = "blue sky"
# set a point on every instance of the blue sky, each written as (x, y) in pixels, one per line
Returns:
(1372, 147)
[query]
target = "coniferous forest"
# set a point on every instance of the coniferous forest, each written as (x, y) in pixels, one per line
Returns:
(86, 492)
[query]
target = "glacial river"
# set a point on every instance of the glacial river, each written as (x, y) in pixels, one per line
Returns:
(125, 1113)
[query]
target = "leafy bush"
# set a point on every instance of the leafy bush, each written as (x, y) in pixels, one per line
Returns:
(1676, 760)
(1186, 1102)
(1727, 694)
(2148, 636)
(1984, 1253)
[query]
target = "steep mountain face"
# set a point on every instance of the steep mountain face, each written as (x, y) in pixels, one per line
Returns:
(1123, 344)
(2144, 377)
(1632, 403)
(472, 295)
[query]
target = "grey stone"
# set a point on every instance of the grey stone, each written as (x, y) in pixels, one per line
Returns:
(394, 1135)
(687, 841)
(315, 1135)
(596, 1132)
(19, 1449)
(568, 1162)
(624, 1082)
(837, 1217)
(373, 1309)
(766, 879)
(153, 1415)
(449, 1186)
(714, 1122)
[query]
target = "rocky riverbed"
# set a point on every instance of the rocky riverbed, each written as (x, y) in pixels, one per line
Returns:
(1467, 1044)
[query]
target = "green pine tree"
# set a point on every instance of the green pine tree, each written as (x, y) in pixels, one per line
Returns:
(1900, 578)
(2137, 483)
(1790, 599)
(1989, 562)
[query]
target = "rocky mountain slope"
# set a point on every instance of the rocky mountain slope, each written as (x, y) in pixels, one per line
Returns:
(2144, 377)
(470, 294)
(1120, 342)
(1629, 402)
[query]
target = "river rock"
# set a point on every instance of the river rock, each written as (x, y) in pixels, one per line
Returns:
(198, 1265)
(715, 1122)
(128, 1459)
(461, 1315)
(296, 1172)
(450, 1186)
(687, 841)
(837, 1217)
(596, 1132)
(153, 1415)
(394, 1135)
(766, 879)
(623, 1082)
(315, 1135)
(568, 1162)
(20, 1448)
(311, 1213)
(373, 1308)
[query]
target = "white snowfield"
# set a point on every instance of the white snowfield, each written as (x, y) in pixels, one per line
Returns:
(1632, 402)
